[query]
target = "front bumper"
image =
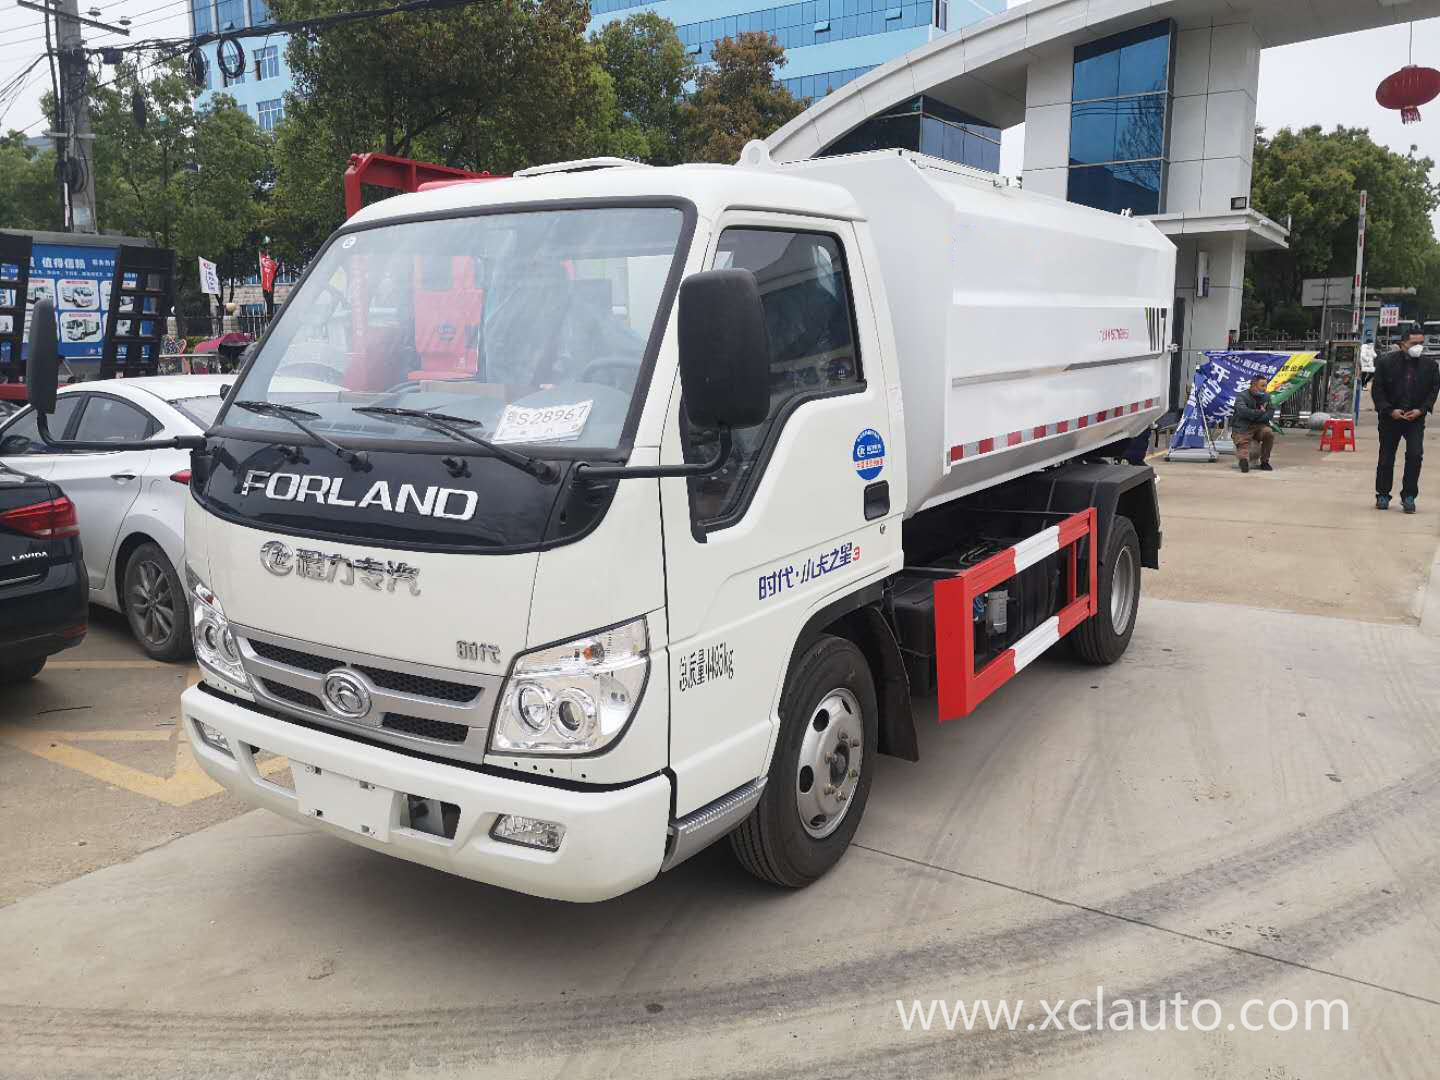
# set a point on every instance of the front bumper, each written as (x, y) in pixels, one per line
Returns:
(614, 840)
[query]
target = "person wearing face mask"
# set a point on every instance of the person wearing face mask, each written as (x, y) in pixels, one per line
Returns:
(1404, 389)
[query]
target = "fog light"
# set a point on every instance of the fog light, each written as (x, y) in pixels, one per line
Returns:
(528, 832)
(211, 737)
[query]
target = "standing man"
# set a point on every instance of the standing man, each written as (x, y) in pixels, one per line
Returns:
(1251, 421)
(1403, 390)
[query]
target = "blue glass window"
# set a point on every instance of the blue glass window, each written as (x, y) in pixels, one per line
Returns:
(1133, 186)
(260, 13)
(1135, 62)
(230, 14)
(1119, 118)
(203, 16)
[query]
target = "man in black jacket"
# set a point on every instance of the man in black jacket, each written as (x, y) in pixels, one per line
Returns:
(1251, 421)
(1403, 390)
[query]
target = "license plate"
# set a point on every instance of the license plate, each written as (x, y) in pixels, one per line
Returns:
(357, 805)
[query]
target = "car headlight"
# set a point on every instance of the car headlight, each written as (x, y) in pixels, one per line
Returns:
(215, 645)
(573, 698)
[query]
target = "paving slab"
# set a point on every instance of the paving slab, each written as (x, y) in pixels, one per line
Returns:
(1304, 538)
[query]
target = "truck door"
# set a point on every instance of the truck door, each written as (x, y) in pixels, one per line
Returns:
(795, 516)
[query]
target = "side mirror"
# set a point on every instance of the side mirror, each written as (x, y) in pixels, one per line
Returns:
(42, 371)
(724, 350)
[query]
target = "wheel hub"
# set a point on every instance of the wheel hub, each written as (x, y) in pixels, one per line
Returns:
(831, 756)
(151, 603)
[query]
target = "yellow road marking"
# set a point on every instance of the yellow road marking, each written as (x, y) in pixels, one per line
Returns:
(186, 785)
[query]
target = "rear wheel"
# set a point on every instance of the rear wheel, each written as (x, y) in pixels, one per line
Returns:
(820, 776)
(155, 604)
(1104, 638)
(21, 672)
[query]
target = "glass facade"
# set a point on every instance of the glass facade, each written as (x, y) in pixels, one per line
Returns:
(601, 7)
(1120, 120)
(230, 14)
(815, 22)
(260, 13)
(929, 127)
(810, 87)
(202, 17)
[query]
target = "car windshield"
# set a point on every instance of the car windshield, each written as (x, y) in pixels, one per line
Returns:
(531, 325)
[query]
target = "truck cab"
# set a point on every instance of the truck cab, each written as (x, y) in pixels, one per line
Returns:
(590, 550)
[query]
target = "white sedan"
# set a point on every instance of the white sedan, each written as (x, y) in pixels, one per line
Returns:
(131, 503)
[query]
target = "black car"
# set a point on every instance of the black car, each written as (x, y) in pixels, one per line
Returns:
(44, 591)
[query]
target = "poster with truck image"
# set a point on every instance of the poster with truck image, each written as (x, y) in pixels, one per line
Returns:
(77, 280)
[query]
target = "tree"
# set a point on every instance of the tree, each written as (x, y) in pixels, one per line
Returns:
(495, 86)
(29, 195)
(188, 179)
(737, 99)
(1314, 178)
(649, 68)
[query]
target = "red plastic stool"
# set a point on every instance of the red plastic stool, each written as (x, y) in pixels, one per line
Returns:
(1339, 434)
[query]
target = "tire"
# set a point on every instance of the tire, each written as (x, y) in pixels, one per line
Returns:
(154, 602)
(777, 844)
(21, 672)
(1103, 638)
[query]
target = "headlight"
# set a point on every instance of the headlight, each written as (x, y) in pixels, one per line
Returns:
(573, 698)
(215, 645)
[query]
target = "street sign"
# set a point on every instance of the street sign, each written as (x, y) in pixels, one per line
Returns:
(1390, 315)
(209, 278)
(1327, 292)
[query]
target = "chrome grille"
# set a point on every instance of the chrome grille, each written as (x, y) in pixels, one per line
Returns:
(402, 681)
(411, 704)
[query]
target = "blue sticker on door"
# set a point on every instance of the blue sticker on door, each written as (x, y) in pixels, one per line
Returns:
(869, 454)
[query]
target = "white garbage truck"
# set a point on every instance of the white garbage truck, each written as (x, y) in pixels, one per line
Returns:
(633, 508)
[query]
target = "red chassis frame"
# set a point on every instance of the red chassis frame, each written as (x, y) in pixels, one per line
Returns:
(961, 687)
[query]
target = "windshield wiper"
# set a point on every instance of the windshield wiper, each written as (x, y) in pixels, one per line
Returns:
(454, 427)
(358, 459)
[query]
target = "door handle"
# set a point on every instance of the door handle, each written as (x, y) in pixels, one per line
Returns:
(122, 476)
(877, 500)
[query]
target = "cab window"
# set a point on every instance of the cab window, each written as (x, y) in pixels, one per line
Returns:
(805, 291)
(23, 436)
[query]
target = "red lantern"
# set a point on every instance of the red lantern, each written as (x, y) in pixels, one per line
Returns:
(1408, 89)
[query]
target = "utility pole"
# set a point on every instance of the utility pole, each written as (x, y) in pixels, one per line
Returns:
(80, 149)
(74, 140)
(1360, 269)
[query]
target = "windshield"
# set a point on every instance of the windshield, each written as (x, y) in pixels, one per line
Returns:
(532, 325)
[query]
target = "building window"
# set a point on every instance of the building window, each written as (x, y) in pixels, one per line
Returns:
(226, 80)
(1120, 118)
(796, 25)
(230, 14)
(267, 63)
(600, 7)
(810, 87)
(202, 17)
(260, 13)
(269, 113)
(925, 126)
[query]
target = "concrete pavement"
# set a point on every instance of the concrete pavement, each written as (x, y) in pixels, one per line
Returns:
(1246, 807)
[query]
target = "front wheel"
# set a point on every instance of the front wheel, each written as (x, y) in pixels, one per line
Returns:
(820, 776)
(155, 604)
(1103, 638)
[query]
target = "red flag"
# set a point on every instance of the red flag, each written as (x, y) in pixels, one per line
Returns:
(268, 266)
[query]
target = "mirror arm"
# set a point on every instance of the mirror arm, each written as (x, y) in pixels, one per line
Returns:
(179, 442)
(587, 472)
